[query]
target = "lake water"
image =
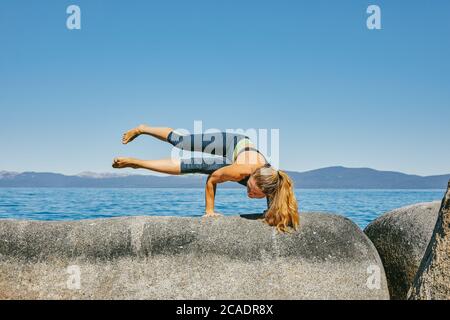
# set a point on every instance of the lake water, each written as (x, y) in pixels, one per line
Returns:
(361, 206)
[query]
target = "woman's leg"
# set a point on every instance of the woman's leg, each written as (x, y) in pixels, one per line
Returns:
(216, 143)
(204, 165)
(169, 166)
(160, 133)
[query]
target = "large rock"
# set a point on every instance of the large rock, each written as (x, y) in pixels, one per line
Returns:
(401, 238)
(432, 281)
(188, 258)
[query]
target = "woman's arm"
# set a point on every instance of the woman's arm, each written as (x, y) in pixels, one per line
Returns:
(210, 194)
(234, 172)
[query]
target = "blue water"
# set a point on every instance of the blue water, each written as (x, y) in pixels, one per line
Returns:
(361, 206)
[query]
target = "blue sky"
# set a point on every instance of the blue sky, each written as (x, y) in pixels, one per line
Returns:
(339, 93)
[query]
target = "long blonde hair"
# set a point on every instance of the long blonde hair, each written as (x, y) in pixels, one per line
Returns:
(279, 189)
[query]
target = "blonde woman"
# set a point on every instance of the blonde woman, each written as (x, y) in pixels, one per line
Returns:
(238, 160)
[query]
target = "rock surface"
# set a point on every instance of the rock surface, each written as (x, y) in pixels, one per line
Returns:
(401, 237)
(432, 281)
(329, 257)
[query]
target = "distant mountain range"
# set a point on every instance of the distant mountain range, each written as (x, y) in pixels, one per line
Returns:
(331, 177)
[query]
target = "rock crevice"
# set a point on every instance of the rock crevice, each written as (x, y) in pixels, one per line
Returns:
(432, 281)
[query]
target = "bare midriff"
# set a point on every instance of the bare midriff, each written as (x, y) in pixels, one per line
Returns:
(250, 157)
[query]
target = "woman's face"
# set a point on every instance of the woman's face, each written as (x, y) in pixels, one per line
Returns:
(253, 191)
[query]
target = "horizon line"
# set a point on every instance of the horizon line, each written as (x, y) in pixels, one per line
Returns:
(168, 175)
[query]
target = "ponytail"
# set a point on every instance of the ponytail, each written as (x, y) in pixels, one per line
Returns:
(283, 208)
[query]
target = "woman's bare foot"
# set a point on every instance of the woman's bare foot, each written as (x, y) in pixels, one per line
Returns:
(121, 162)
(130, 135)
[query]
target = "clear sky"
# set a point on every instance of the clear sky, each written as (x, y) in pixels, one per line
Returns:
(339, 93)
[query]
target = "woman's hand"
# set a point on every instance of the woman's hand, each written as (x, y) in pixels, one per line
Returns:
(212, 214)
(232, 172)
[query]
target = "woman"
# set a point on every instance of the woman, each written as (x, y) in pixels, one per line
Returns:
(240, 161)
